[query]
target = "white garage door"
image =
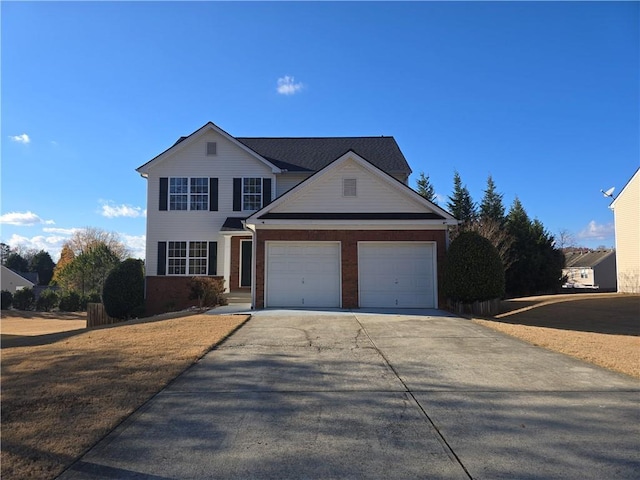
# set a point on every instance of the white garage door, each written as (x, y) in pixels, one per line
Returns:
(303, 274)
(397, 274)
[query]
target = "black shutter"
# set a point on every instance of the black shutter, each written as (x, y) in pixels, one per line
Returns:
(213, 258)
(237, 194)
(213, 194)
(266, 191)
(162, 258)
(164, 193)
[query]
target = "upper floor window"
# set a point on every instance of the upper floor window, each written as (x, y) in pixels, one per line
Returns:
(188, 193)
(251, 193)
(212, 148)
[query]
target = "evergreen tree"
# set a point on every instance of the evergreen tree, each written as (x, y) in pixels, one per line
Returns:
(522, 255)
(425, 188)
(16, 262)
(536, 265)
(491, 205)
(460, 203)
(42, 263)
(87, 272)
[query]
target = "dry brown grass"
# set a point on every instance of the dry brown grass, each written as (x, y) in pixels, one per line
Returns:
(602, 329)
(59, 399)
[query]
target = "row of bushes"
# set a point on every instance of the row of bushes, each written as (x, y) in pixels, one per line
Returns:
(25, 299)
(122, 295)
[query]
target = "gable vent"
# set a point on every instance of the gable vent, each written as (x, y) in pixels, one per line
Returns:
(212, 148)
(348, 187)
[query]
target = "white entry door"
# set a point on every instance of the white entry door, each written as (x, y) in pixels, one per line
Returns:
(303, 274)
(397, 274)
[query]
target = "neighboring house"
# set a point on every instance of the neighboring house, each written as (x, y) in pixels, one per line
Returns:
(13, 281)
(626, 215)
(590, 269)
(302, 222)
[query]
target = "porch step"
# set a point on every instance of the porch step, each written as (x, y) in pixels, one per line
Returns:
(239, 296)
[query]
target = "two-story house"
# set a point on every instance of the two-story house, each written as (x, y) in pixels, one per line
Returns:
(302, 222)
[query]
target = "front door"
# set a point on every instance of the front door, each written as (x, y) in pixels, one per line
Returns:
(246, 249)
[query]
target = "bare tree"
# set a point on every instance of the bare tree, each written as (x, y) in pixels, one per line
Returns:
(82, 241)
(494, 231)
(565, 239)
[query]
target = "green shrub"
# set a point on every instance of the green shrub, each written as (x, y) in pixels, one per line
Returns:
(123, 292)
(208, 291)
(6, 298)
(24, 299)
(69, 302)
(473, 270)
(93, 297)
(47, 301)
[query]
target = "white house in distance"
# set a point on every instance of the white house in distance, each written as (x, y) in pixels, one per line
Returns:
(626, 214)
(300, 222)
(590, 269)
(13, 282)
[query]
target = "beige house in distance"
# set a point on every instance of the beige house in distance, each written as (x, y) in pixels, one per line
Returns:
(626, 213)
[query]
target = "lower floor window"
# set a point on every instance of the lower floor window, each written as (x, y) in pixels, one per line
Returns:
(197, 258)
(179, 256)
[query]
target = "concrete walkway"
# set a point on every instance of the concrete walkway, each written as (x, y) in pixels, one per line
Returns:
(424, 395)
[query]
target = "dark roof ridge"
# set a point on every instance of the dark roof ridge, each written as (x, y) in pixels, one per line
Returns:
(319, 138)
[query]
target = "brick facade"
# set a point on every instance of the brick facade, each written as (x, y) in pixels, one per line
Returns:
(349, 244)
(167, 294)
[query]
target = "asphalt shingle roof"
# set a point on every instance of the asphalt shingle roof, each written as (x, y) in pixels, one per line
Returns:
(314, 153)
(586, 259)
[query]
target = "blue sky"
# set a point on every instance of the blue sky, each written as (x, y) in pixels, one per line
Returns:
(542, 96)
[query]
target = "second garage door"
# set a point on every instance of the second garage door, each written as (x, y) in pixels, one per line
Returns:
(397, 274)
(303, 274)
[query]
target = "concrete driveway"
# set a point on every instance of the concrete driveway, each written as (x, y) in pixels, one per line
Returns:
(320, 395)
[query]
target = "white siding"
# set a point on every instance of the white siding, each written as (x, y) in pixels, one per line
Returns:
(373, 194)
(286, 181)
(12, 282)
(192, 161)
(627, 227)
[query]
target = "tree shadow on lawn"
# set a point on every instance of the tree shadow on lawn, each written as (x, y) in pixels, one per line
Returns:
(12, 341)
(614, 315)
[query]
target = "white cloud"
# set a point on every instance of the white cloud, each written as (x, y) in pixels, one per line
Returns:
(24, 219)
(24, 138)
(113, 211)
(53, 243)
(135, 243)
(48, 243)
(441, 200)
(287, 85)
(595, 231)
(61, 231)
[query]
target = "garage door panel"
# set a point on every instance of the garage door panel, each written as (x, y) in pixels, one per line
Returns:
(399, 274)
(303, 275)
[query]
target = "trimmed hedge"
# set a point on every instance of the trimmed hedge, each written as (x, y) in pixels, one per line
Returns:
(24, 299)
(47, 301)
(123, 292)
(6, 298)
(473, 270)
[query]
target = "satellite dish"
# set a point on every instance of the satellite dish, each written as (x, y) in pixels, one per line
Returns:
(608, 193)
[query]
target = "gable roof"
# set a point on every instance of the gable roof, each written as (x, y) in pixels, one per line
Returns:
(185, 141)
(432, 211)
(621, 194)
(13, 276)
(586, 259)
(310, 154)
